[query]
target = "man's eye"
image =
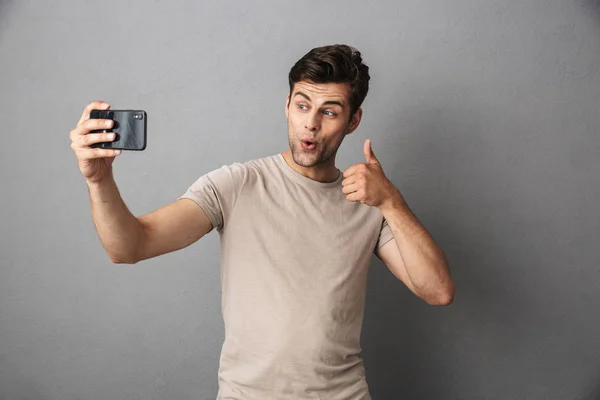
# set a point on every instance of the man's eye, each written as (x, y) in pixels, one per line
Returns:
(302, 107)
(329, 113)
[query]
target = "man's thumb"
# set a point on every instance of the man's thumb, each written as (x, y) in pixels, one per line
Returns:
(369, 155)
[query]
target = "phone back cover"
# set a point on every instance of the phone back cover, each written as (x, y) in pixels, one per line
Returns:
(130, 131)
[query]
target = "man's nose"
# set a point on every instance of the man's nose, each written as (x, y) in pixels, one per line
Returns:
(313, 122)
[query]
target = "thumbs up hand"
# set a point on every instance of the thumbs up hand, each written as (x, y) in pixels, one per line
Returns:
(366, 183)
(369, 155)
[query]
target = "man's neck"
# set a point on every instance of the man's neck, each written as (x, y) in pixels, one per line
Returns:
(323, 173)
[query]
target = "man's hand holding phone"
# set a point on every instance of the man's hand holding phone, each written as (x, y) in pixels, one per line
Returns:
(126, 238)
(94, 163)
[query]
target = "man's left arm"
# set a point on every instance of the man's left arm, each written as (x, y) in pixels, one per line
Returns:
(413, 256)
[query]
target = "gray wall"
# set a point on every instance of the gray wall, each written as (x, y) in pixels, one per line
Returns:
(484, 113)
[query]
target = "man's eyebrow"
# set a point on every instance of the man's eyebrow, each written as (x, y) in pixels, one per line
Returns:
(328, 102)
(333, 102)
(303, 95)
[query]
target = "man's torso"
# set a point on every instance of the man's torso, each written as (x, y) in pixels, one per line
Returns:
(295, 257)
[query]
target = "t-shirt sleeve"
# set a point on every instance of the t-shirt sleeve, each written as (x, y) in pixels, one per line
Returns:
(385, 235)
(217, 192)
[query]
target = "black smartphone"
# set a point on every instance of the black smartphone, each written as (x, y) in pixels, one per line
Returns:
(129, 128)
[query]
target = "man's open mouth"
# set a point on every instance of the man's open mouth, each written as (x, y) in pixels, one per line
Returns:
(308, 144)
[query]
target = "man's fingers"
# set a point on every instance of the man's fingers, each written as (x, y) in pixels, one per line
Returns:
(94, 124)
(354, 196)
(92, 138)
(352, 170)
(89, 153)
(95, 105)
(350, 188)
(348, 181)
(89, 125)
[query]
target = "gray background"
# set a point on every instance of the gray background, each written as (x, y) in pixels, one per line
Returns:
(483, 113)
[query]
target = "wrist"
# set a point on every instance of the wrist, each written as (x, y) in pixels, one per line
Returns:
(393, 202)
(98, 183)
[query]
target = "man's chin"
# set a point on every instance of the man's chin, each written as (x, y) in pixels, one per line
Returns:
(305, 160)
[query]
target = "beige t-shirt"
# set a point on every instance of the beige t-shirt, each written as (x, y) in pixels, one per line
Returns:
(294, 261)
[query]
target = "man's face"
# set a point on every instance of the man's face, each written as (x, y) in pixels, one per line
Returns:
(318, 119)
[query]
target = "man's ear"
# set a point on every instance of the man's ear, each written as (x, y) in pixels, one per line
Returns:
(287, 105)
(355, 121)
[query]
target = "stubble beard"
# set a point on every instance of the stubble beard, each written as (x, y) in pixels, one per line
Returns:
(313, 158)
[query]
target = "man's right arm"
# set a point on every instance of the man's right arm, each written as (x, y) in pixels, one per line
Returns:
(128, 240)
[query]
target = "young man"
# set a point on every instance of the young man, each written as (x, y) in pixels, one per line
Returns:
(297, 237)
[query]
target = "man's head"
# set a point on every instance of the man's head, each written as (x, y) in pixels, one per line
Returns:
(327, 88)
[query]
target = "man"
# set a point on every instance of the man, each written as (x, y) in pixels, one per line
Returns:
(297, 237)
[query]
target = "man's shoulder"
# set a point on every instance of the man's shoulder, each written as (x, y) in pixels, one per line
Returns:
(249, 170)
(263, 162)
(260, 165)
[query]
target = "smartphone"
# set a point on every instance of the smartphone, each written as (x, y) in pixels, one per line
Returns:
(129, 128)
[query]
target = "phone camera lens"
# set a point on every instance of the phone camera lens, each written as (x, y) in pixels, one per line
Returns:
(139, 116)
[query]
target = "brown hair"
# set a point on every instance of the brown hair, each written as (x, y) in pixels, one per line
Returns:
(337, 63)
